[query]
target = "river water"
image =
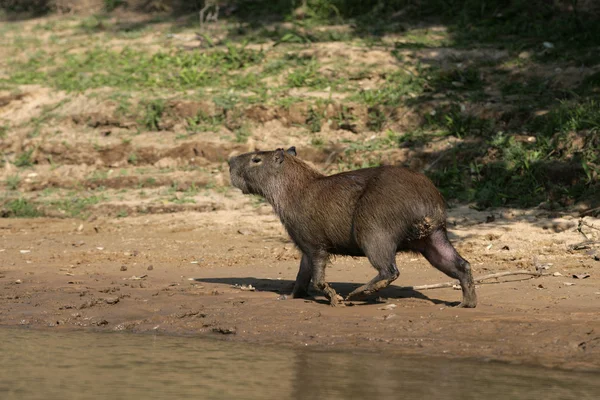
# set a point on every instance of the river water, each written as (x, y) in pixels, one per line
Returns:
(77, 365)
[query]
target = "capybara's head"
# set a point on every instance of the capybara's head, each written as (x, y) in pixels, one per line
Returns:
(255, 172)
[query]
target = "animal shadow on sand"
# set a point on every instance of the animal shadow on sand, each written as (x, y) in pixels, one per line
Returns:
(285, 287)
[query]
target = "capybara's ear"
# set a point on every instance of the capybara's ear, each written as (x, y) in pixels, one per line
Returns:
(291, 150)
(278, 156)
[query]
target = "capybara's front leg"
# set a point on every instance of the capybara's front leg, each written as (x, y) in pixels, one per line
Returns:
(303, 278)
(319, 262)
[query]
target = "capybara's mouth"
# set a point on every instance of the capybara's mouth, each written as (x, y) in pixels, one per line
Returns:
(238, 183)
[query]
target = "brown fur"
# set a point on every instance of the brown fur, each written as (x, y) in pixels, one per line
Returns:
(372, 212)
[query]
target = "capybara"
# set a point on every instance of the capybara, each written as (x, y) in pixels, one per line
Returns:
(373, 212)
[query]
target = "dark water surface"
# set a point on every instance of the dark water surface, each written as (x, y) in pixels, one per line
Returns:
(76, 365)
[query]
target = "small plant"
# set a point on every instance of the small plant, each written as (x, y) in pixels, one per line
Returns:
(24, 159)
(12, 182)
(92, 24)
(376, 119)
(153, 113)
(122, 213)
(317, 142)
(21, 208)
(111, 5)
(132, 159)
(313, 121)
(75, 206)
(3, 131)
(242, 134)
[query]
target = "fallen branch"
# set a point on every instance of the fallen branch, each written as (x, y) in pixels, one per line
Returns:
(476, 280)
(590, 212)
(582, 222)
(583, 245)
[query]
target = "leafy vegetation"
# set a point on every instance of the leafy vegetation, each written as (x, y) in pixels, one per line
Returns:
(484, 82)
(20, 208)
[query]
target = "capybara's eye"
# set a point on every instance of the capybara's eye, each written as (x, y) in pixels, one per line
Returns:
(256, 160)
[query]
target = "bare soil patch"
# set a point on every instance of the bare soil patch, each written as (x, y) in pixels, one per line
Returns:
(189, 273)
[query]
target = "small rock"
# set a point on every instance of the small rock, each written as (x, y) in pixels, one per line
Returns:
(581, 276)
(557, 274)
(87, 304)
(244, 232)
(282, 297)
(597, 258)
(111, 300)
(137, 278)
(123, 268)
(225, 331)
(150, 267)
(524, 55)
(248, 288)
(548, 45)
(18, 281)
(505, 248)
(490, 218)
(80, 228)
(568, 283)
(389, 316)
(24, 251)
(388, 307)
(101, 322)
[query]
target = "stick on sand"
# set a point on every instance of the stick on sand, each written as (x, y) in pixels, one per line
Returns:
(477, 280)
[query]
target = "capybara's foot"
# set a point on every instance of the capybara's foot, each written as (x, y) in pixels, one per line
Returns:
(369, 288)
(336, 301)
(468, 303)
(299, 292)
(334, 298)
(469, 295)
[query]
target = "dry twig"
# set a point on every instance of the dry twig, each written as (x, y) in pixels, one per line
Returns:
(477, 280)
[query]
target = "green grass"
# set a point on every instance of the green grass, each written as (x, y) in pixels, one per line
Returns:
(483, 107)
(153, 112)
(205, 123)
(12, 182)
(314, 120)
(133, 69)
(452, 121)
(242, 134)
(24, 159)
(20, 208)
(397, 88)
(75, 206)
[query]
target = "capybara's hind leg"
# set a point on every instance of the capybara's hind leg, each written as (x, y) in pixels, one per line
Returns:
(303, 278)
(382, 256)
(319, 262)
(441, 254)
